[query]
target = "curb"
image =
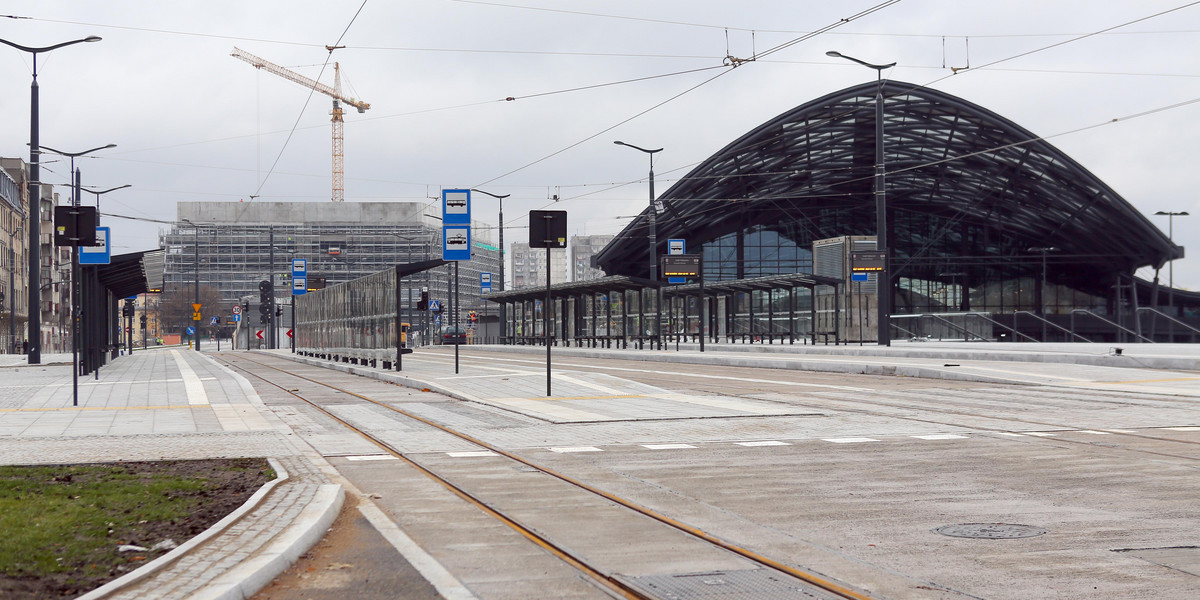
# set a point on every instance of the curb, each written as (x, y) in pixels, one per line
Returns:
(162, 562)
(253, 574)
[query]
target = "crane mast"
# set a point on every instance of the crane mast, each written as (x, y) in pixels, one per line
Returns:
(335, 92)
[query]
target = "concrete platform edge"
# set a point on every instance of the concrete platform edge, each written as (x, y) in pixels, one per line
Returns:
(253, 574)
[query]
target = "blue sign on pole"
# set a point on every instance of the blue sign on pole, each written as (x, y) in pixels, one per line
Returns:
(456, 207)
(456, 242)
(299, 276)
(191, 330)
(858, 277)
(237, 318)
(675, 247)
(101, 253)
(485, 283)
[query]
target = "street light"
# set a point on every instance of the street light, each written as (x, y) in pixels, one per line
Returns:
(196, 268)
(99, 192)
(12, 289)
(1171, 265)
(76, 290)
(884, 302)
(501, 199)
(655, 207)
(35, 199)
(1042, 289)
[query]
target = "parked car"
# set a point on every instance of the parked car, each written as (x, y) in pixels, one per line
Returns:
(454, 335)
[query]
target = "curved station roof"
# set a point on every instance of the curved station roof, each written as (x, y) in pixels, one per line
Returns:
(967, 190)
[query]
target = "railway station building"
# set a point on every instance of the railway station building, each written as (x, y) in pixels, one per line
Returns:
(994, 233)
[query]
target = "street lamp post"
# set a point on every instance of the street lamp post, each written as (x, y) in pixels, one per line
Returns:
(1171, 264)
(501, 227)
(654, 208)
(76, 291)
(196, 271)
(884, 302)
(34, 326)
(12, 288)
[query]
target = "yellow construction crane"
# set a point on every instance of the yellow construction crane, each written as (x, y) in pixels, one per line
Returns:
(335, 92)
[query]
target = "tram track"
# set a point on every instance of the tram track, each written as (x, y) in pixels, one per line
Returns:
(613, 584)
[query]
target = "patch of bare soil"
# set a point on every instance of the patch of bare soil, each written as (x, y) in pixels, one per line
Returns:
(228, 484)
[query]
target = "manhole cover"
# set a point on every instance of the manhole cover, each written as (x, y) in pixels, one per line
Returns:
(990, 531)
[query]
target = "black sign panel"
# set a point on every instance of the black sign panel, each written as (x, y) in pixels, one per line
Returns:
(547, 229)
(863, 261)
(680, 265)
(75, 225)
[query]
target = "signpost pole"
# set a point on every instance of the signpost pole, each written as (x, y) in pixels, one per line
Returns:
(454, 316)
(546, 319)
(703, 303)
(400, 325)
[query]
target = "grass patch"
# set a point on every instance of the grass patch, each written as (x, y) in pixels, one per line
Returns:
(62, 525)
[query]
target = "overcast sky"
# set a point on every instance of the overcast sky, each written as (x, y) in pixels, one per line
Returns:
(193, 123)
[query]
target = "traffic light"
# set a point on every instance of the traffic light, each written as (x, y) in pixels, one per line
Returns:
(264, 302)
(279, 310)
(143, 321)
(127, 310)
(1, 296)
(424, 303)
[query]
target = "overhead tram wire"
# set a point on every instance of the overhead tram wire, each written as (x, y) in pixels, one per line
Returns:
(307, 100)
(817, 125)
(759, 57)
(730, 68)
(551, 53)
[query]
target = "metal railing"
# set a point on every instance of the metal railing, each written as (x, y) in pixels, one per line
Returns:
(1052, 324)
(953, 325)
(1159, 313)
(1115, 325)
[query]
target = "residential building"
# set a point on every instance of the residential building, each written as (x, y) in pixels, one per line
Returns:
(529, 265)
(583, 247)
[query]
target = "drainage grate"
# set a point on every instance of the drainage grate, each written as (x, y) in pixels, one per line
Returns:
(990, 531)
(754, 584)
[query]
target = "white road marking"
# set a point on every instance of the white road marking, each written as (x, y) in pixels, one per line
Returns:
(371, 457)
(1040, 434)
(191, 383)
(940, 436)
(576, 449)
(1093, 432)
(1009, 434)
(763, 443)
(666, 446)
(446, 584)
(471, 454)
(1182, 428)
(1122, 430)
(850, 440)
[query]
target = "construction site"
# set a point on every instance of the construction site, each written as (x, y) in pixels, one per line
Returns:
(233, 246)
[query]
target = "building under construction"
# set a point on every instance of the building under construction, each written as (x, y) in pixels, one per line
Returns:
(233, 246)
